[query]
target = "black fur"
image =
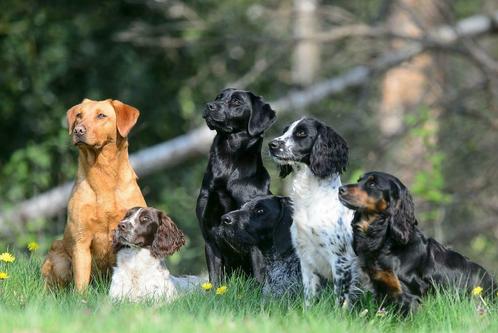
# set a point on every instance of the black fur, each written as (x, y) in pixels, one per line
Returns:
(314, 143)
(391, 242)
(265, 222)
(235, 174)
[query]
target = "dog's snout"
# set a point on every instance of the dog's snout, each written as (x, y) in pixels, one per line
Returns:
(227, 219)
(123, 226)
(275, 144)
(79, 130)
(342, 190)
(211, 106)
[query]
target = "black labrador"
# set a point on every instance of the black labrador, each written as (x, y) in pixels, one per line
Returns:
(265, 222)
(235, 174)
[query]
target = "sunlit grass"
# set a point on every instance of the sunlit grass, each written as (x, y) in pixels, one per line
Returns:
(26, 307)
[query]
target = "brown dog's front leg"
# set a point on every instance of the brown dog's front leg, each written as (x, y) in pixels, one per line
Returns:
(82, 266)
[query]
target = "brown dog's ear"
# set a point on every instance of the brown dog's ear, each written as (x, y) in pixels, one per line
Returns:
(168, 239)
(126, 117)
(71, 117)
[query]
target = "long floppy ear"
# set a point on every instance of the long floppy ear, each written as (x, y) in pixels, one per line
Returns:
(262, 115)
(285, 170)
(329, 154)
(126, 117)
(402, 219)
(282, 240)
(71, 117)
(168, 238)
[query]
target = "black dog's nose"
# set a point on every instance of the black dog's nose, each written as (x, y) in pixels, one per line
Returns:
(211, 106)
(342, 190)
(275, 144)
(226, 219)
(79, 130)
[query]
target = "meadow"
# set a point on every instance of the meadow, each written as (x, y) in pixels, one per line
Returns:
(25, 306)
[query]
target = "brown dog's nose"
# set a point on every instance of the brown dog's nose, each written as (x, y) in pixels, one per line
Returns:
(79, 130)
(123, 226)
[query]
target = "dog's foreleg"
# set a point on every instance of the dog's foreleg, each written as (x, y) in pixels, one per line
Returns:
(215, 265)
(82, 265)
(311, 282)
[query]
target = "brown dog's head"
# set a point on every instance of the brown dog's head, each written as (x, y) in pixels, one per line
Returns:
(97, 123)
(148, 228)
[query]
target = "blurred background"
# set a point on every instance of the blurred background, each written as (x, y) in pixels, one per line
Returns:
(411, 84)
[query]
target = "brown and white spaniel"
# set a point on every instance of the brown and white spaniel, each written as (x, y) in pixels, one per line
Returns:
(143, 238)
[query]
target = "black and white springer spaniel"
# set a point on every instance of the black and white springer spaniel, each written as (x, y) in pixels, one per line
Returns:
(321, 231)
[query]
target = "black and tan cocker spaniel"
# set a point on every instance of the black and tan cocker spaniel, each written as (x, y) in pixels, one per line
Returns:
(402, 263)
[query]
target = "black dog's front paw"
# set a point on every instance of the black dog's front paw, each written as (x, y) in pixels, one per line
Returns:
(408, 304)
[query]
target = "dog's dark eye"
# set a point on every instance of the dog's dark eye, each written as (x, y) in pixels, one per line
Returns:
(144, 219)
(79, 115)
(235, 102)
(371, 184)
(260, 211)
(101, 116)
(301, 134)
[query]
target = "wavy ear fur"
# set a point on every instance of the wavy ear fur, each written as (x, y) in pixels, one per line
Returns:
(281, 233)
(402, 219)
(262, 116)
(168, 238)
(329, 154)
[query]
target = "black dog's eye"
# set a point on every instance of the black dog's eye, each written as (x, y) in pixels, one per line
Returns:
(101, 116)
(260, 211)
(235, 102)
(301, 134)
(371, 184)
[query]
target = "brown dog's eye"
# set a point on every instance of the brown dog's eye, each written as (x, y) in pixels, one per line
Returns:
(79, 115)
(101, 116)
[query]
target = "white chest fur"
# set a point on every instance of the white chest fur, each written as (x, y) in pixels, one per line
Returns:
(139, 275)
(321, 232)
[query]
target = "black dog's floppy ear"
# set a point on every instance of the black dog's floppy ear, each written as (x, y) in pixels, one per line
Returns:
(285, 170)
(329, 154)
(402, 214)
(282, 240)
(168, 238)
(262, 115)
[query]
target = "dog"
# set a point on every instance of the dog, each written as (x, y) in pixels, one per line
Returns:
(402, 263)
(142, 239)
(106, 186)
(235, 174)
(321, 231)
(265, 222)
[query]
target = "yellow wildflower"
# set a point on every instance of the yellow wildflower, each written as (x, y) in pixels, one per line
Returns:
(221, 290)
(7, 257)
(207, 286)
(477, 291)
(4, 275)
(33, 246)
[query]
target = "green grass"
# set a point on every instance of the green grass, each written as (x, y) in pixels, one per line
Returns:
(26, 307)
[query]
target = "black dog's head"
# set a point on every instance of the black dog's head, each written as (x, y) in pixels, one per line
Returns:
(263, 222)
(313, 143)
(148, 228)
(383, 194)
(236, 110)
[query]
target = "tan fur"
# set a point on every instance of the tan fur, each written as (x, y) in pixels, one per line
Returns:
(366, 220)
(104, 190)
(389, 280)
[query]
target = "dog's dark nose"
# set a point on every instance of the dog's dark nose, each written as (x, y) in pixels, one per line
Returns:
(211, 106)
(275, 144)
(342, 190)
(79, 130)
(123, 226)
(226, 219)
